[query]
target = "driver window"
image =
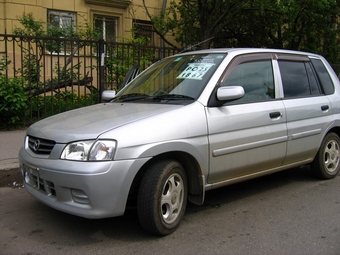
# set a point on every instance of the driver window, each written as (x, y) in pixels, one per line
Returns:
(255, 77)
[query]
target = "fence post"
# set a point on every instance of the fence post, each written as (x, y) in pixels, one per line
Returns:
(101, 60)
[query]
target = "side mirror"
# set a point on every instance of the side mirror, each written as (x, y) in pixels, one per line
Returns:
(230, 93)
(221, 95)
(107, 95)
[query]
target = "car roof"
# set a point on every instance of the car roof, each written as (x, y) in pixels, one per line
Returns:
(238, 51)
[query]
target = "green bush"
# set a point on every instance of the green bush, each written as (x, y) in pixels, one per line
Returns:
(14, 101)
(45, 106)
(13, 98)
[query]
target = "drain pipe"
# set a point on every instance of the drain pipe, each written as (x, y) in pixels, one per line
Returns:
(162, 41)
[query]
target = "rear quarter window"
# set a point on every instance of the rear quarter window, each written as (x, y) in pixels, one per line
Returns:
(323, 75)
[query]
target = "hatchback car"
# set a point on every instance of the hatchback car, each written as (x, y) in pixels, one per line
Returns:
(189, 123)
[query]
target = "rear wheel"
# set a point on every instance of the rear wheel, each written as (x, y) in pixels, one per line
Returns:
(162, 197)
(326, 164)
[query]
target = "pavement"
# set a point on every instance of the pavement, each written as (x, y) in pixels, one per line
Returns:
(10, 144)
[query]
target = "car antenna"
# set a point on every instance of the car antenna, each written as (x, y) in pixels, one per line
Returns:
(191, 46)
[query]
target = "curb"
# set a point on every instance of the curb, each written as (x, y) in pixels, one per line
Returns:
(9, 164)
(10, 145)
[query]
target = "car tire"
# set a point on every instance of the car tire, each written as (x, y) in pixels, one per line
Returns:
(162, 197)
(326, 164)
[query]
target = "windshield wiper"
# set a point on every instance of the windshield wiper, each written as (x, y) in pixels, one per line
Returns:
(132, 96)
(141, 96)
(173, 97)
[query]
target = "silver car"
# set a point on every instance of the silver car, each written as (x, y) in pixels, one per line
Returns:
(188, 124)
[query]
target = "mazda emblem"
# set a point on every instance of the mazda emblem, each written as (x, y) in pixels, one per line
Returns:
(36, 145)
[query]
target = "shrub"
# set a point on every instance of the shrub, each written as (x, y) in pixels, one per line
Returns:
(13, 98)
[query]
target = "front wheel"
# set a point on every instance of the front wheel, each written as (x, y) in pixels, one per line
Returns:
(326, 164)
(162, 197)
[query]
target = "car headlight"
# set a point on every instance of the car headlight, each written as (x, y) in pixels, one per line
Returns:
(91, 150)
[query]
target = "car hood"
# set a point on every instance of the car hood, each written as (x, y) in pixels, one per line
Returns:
(89, 122)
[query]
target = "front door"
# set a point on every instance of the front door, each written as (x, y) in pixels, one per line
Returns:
(247, 135)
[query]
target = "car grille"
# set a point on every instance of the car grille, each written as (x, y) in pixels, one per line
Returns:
(40, 146)
(45, 186)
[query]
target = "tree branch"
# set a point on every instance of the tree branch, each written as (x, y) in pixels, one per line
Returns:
(156, 30)
(53, 85)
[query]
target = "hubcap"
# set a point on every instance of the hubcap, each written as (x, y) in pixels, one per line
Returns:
(331, 156)
(172, 198)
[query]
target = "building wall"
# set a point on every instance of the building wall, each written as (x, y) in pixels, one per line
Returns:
(124, 10)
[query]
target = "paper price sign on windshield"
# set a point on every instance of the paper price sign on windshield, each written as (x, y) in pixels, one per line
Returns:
(195, 71)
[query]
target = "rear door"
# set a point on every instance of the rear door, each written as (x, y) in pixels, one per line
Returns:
(247, 135)
(308, 109)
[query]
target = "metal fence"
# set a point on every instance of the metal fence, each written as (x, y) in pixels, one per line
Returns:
(40, 76)
(59, 74)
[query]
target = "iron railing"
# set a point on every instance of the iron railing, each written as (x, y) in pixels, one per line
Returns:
(59, 74)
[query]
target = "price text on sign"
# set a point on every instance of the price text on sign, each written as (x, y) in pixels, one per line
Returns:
(195, 71)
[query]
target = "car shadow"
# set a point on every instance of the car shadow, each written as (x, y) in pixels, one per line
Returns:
(73, 230)
(217, 197)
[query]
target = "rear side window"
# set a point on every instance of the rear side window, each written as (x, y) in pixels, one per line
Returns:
(298, 79)
(323, 75)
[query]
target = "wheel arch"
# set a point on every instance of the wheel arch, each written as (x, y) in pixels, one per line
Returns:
(191, 167)
(333, 130)
(325, 164)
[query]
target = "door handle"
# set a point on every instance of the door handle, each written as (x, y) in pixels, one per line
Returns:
(324, 107)
(274, 115)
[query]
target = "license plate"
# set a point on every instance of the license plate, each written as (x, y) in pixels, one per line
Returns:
(31, 176)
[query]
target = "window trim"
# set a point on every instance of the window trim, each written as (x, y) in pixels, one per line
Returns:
(73, 16)
(95, 15)
(253, 57)
(320, 79)
(74, 23)
(241, 59)
(145, 23)
(113, 3)
(291, 57)
(305, 61)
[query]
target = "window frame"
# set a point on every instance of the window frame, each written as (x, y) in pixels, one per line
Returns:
(149, 33)
(325, 80)
(72, 15)
(103, 32)
(306, 62)
(59, 13)
(247, 58)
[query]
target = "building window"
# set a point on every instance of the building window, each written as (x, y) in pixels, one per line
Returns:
(61, 25)
(144, 29)
(62, 20)
(107, 27)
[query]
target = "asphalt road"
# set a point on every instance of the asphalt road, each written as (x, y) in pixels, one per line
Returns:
(286, 213)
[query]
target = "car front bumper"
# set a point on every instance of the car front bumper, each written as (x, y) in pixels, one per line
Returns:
(86, 189)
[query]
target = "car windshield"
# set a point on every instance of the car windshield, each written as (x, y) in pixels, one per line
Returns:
(178, 79)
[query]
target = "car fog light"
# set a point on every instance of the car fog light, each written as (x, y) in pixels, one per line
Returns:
(79, 196)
